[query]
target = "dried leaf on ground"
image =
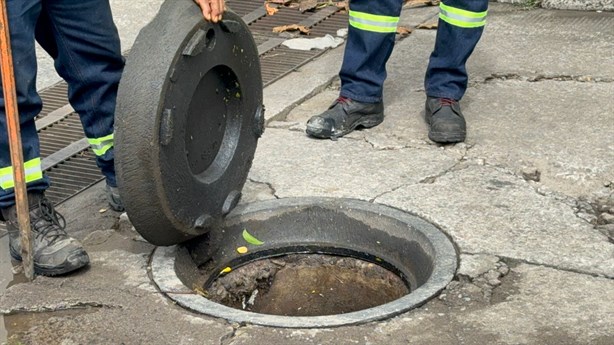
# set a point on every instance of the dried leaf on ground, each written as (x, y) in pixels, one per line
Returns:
(291, 27)
(344, 5)
(306, 5)
(403, 31)
(428, 26)
(270, 10)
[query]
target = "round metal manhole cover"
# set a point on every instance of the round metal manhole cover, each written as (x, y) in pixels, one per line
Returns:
(189, 115)
(291, 257)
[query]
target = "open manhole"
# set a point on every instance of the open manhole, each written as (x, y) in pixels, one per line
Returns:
(308, 262)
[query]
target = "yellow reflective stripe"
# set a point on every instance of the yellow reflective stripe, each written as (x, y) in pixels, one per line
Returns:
(100, 146)
(461, 12)
(33, 172)
(461, 18)
(6, 178)
(372, 22)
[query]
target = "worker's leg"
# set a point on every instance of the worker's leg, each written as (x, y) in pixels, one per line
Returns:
(54, 252)
(83, 40)
(461, 23)
(22, 17)
(371, 35)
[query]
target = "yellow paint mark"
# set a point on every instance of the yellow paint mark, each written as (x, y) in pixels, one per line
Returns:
(226, 270)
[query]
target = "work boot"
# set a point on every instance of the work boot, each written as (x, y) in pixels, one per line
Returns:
(447, 124)
(53, 251)
(343, 116)
(115, 201)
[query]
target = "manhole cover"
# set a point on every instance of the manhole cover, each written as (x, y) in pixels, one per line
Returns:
(189, 115)
(308, 262)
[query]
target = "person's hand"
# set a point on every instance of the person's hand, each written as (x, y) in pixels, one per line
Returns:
(212, 9)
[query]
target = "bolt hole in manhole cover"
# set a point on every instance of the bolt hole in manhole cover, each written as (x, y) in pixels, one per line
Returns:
(308, 262)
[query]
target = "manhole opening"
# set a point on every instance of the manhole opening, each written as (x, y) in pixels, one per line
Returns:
(308, 262)
(307, 285)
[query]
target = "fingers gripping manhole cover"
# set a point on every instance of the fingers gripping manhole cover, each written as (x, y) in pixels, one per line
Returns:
(308, 262)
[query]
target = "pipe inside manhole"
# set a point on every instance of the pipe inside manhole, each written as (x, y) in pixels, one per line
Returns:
(308, 262)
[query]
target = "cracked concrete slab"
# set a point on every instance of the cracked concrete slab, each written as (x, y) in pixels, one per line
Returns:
(535, 42)
(344, 168)
(515, 123)
(256, 191)
(528, 125)
(580, 5)
(112, 310)
(488, 210)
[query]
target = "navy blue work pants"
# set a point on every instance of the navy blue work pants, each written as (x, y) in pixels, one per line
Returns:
(83, 41)
(369, 45)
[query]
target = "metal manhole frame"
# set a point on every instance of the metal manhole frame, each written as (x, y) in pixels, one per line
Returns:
(163, 275)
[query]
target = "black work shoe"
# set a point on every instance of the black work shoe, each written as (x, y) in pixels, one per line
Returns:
(53, 251)
(115, 201)
(343, 116)
(447, 124)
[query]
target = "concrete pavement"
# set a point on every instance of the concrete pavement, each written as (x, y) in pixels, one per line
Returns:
(528, 199)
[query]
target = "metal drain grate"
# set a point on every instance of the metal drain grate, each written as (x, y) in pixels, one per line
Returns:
(54, 97)
(282, 60)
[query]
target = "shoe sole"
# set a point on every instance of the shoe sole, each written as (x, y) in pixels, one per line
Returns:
(439, 137)
(367, 122)
(44, 271)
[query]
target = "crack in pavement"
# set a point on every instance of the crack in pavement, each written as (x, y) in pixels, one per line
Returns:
(510, 260)
(421, 145)
(228, 338)
(268, 184)
(58, 307)
(454, 167)
(429, 179)
(544, 77)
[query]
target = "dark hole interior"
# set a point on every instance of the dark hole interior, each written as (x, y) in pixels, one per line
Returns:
(307, 285)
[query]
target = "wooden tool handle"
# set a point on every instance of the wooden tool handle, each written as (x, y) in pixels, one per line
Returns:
(14, 134)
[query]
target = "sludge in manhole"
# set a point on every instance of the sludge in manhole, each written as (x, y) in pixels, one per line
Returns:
(307, 285)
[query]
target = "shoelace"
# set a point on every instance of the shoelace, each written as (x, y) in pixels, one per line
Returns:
(55, 223)
(343, 100)
(447, 101)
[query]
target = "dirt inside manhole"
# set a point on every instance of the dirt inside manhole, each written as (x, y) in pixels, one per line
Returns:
(307, 285)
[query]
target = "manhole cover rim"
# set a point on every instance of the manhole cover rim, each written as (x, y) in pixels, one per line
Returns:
(445, 265)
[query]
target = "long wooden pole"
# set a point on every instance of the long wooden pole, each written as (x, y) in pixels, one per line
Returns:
(14, 133)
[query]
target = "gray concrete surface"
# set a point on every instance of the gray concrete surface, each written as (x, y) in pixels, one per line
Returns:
(528, 199)
(578, 5)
